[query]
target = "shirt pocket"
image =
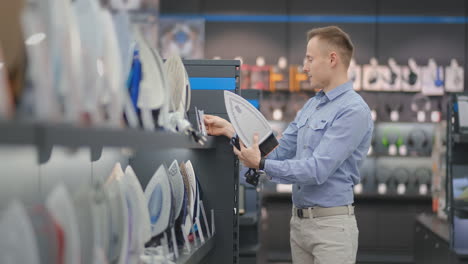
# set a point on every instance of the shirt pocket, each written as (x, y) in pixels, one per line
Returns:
(316, 130)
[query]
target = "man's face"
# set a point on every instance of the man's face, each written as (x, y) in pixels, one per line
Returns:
(317, 63)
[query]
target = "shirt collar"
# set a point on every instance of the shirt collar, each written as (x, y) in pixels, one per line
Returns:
(337, 91)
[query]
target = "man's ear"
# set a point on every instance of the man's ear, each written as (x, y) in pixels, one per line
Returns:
(333, 58)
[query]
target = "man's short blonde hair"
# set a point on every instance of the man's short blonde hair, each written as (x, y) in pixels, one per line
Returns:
(335, 38)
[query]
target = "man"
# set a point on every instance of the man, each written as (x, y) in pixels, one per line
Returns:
(320, 154)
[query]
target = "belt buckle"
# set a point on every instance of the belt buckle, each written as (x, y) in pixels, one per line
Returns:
(300, 214)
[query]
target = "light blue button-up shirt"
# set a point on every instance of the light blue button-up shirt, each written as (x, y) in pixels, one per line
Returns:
(322, 149)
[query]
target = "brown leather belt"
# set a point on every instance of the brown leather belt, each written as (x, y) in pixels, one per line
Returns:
(314, 212)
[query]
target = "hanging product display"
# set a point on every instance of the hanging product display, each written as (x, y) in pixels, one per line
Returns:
(163, 117)
(152, 88)
(423, 176)
(383, 176)
(127, 48)
(454, 77)
(433, 79)
(117, 203)
(141, 210)
(179, 94)
(111, 99)
(177, 184)
(180, 204)
(93, 224)
(106, 227)
(92, 38)
(371, 76)
(392, 76)
(60, 206)
(420, 104)
(38, 41)
(133, 83)
(50, 236)
(355, 74)
(393, 110)
(17, 232)
(197, 204)
(187, 224)
(411, 77)
(158, 196)
(401, 176)
(419, 142)
(393, 141)
(65, 52)
(134, 246)
(194, 210)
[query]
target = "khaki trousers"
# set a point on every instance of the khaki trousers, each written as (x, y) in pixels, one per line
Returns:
(324, 240)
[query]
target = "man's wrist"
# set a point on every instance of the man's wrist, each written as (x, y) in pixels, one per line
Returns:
(230, 131)
(261, 165)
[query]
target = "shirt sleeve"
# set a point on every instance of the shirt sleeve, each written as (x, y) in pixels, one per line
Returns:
(336, 145)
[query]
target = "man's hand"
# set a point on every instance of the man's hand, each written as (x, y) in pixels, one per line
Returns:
(217, 126)
(250, 157)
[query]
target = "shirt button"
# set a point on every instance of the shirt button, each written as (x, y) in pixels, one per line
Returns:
(318, 107)
(298, 187)
(305, 146)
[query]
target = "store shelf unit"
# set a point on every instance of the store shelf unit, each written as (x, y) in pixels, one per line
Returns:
(457, 165)
(216, 166)
(431, 243)
(214, 163)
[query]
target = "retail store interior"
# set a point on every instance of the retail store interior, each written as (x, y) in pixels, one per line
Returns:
(105, 156)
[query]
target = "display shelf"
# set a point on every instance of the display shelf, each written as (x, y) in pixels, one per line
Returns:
(198, 253)
(456, 156)
(46, 136)
(436, 225)
(249, 250)
(71, 136)
(14, 133)
(460, 138)
(463, 207)
(247, 219)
